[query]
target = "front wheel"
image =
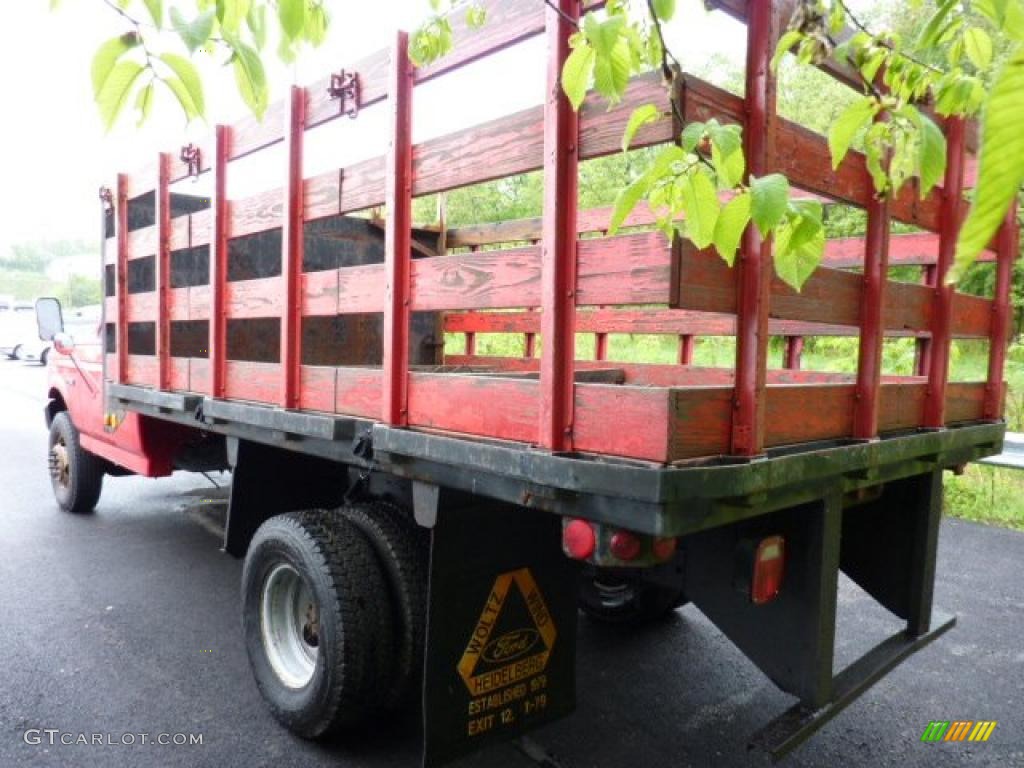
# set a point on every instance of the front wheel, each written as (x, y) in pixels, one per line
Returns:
(76, 474)
(314, 621)
(618, 596)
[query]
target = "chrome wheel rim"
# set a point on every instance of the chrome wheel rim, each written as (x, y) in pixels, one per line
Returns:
(60, 468)
(290, 626)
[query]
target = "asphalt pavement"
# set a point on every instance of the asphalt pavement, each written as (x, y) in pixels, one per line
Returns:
(126, 621)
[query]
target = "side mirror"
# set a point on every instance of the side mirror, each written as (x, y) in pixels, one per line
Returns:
(49, 319)
(63, 343)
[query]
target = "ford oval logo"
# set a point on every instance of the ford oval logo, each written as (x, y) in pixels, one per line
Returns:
(510, 646)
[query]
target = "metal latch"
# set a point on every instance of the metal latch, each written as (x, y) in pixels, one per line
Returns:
(345, 87)
(191, 155)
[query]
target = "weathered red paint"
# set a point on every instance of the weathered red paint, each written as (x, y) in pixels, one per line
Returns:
(558, 245)
(872, 323)
(121, 275)
(754, 264)
(398, 236)
(219, 261)
(162, 203)
(686, 347)
(1008, 242)
(793, 352)
(942, 304)
(292, 251)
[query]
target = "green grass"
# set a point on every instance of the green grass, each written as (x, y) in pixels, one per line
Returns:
(985, 494)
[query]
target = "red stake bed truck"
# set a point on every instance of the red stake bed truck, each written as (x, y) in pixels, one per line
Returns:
(423, 526)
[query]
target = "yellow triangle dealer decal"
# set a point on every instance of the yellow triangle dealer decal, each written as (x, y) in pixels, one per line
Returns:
(494, 660)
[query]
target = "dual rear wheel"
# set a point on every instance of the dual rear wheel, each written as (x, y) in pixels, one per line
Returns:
(334, 613)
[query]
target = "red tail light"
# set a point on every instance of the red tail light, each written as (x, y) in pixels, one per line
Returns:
(769, 562)
(624, 545)
(664, 548)
(578, 539)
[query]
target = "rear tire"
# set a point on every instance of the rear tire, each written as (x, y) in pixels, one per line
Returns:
(311, 614)
(15, 353)
(44, 358)
(402, 555)
(615, 596)
(76, 474)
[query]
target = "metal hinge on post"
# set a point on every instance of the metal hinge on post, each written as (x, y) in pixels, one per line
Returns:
(192, 156)
(107, 198)
(345, 87)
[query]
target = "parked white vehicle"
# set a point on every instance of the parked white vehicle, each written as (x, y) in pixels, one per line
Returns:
(17, 326)
(80, 323)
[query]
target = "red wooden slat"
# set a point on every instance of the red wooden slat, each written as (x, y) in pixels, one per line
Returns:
(292, 251)
(317, 387)
(808, 163)
(558, 248)
(872, 322)
(121, 231)
(259, 382)
(475, 405)
(398, 237)
(162, 202)
(358, 392)
(682, 322)
(219, 262)
(754, 273)
(938, 373)
(141, 308)
(1009, 249)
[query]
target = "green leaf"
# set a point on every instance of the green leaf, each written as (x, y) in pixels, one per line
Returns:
(1001, 165)
(931, 155)
(316, 25)
(664, 9)
(726, 138)
(611, 72)
(231, 13)
(195, 33)
(175, 86)
(603, 36)
(156, 12)
(106, 57)
(978, 46)
(799, 248)
(576, 73)
(768, 197)
(476, 16)
(648, 113)
(729, 228)
(852, 119)
(189, 77)
(786, 43)
(257, 22)
(729, 167)
(692, 135)
(144, 102)
(700, 202)
(625, 202)
(933, 29)
(115, 90)
(251, 79)
(292, 15)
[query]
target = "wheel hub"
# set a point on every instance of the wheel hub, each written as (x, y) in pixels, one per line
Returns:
(60, 469)
(290, 625)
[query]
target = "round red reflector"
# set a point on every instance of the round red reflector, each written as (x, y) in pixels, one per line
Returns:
(664, 548)
(578, 539)
(624, 545)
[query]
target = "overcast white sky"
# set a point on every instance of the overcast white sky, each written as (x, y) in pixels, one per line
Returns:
(55, 154)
